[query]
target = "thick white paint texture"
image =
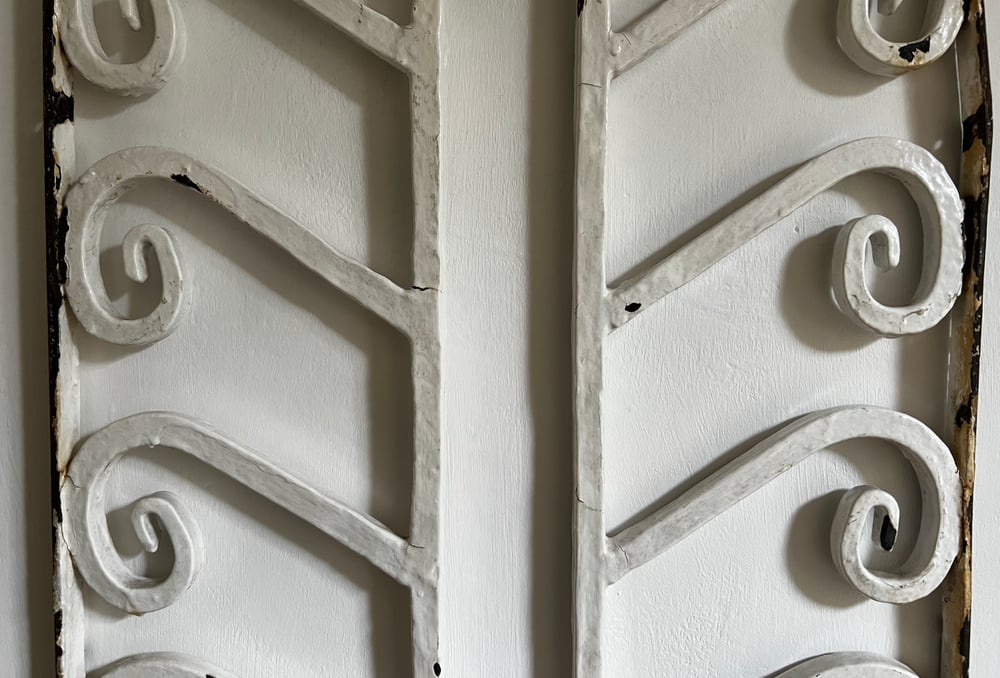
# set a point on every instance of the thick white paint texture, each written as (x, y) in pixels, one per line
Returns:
(599, 562)
(760, 580)
(849, 665)
(937, 543)
(148, 74)
(926, 179)
(411, 561)
(162, 665)
(872, 52)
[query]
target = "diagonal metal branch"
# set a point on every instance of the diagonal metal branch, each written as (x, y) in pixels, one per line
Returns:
(373, 30)
(90, 541)
(924, 177)
(655, 29)
(110, 177)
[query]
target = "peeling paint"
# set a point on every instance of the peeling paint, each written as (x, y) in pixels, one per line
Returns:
(185, 180)
(967, 332)
(908, 52)
(70, 219)
(604, 54)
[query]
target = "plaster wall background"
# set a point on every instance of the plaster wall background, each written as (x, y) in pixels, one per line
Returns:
(271, 357)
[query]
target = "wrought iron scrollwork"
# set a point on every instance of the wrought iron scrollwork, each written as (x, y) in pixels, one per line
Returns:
(920, 172)
(410, 48)
(848, 665)
(604, 54)
(162, 665)
(148, 74)
(94, 553)
(937, 541)
(413, 561)
(104, 183)
(869, 50)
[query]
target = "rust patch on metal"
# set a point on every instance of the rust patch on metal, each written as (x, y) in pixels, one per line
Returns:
(58, 110)
(977, 137)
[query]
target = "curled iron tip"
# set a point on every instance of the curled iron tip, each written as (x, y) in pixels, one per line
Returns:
(130, 12)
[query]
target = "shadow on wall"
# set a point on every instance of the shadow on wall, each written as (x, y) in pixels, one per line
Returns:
(37, 509)
(550, 277)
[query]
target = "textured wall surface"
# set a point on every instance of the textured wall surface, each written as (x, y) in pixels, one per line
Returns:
(271, 357)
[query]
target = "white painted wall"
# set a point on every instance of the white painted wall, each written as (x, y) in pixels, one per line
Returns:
(270, 357)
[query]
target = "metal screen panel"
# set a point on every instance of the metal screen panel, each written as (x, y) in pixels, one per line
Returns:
(78, 200)
(950, 290)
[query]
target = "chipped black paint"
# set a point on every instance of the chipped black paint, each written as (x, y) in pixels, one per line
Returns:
(580, 4)
(977, 138)
(964, 415)
(437, 669)
(185, 180)
(964, 644)
(58, 109)
(975, 126)
(633, 307)
(57, 618)
(909, 52)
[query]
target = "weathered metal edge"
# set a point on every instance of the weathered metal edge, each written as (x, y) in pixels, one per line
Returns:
(977, 140)
(58, 116)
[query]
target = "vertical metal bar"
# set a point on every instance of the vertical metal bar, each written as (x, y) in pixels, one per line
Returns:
(62, 356)
(425, 124)
(974, 184)
(593, 79)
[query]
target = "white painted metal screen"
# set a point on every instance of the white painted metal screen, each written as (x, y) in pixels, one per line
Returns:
(222, 305)
(604, 53)
(84, 196)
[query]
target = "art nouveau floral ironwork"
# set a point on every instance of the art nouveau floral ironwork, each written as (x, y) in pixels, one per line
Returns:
(78, 207)
(952, 233)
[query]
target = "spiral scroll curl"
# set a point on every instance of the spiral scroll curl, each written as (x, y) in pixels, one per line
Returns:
(849, 665)
(87, 204)
(941, 211)
(941, 489)
(869, 50)
(89, 540)
(83, 47)
(89, 200)
(162, 665)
